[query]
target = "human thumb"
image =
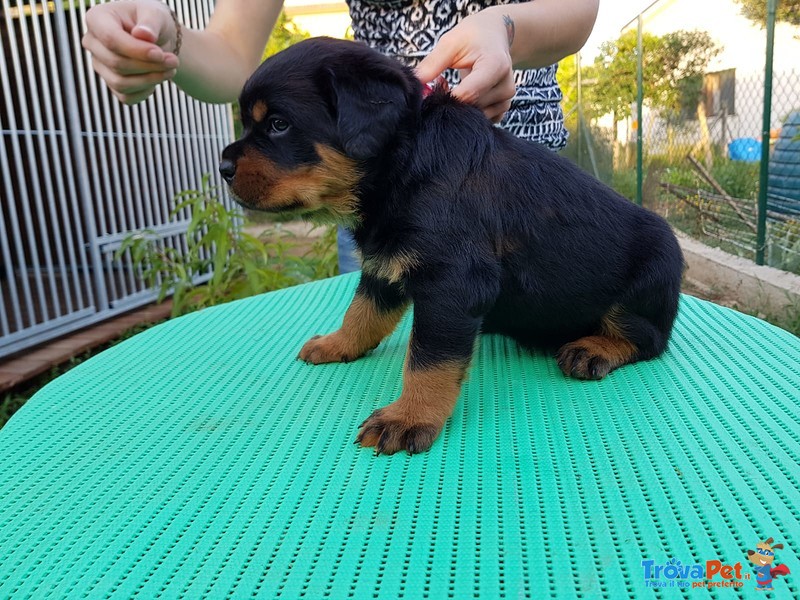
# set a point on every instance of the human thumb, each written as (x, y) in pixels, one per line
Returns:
(151, 22)
(144, 32)
(439, 59)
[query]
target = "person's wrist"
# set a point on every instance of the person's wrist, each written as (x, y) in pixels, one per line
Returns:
(178, 32)
(503, 25)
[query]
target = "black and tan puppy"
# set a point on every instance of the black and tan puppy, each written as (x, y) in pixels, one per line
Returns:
(479, 230)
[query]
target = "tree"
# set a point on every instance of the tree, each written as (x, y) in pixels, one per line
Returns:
(685, 56)
(614, 74)
(673, 67)
(284, 34)
(567, 76)
(787, 11)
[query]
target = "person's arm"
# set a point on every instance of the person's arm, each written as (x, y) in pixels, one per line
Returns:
(133, 47)
(545, 31)
(217, 61)
(486, 47)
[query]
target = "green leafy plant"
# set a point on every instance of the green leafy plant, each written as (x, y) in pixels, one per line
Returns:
(285, 33)
(787, 11)
(222, 261)
(783, 245)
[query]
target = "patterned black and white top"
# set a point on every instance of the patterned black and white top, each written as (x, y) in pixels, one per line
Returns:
(409, 29)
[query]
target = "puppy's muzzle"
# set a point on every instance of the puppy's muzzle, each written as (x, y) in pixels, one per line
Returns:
(227, 168)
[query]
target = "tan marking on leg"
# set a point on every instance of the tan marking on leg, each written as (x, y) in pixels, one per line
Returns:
(363, 328)
(415, 419)
(259, 111)
(610, 325)
(505, 246)
(392, 268)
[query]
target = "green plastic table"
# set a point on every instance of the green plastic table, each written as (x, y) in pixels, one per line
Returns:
(199, 459)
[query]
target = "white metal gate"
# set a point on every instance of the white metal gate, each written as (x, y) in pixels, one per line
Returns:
(79, 171)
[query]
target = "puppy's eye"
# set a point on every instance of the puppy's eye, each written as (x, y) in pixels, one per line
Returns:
(277, 125)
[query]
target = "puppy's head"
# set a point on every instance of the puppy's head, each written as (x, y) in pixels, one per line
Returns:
(313, 117)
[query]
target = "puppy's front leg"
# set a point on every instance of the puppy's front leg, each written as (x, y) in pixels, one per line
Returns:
(439, 353)
(376, 309)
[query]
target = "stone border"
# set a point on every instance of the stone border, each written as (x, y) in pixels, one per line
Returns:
(758, 290)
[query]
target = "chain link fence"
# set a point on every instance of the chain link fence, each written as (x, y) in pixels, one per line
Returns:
(718, 153)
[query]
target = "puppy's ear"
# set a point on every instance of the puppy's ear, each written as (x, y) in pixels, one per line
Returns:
(368, 111)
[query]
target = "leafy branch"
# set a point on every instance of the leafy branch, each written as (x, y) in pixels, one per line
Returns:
(233, 263)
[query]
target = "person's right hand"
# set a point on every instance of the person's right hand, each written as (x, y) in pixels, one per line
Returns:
(132, 46)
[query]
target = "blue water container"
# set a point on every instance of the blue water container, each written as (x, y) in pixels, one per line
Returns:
(783, 193)
(745, 149)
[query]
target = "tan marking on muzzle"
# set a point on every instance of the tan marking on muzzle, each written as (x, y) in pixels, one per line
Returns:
(324, 189)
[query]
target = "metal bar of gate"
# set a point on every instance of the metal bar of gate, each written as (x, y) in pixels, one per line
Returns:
(84, 171)
(19, 175)
(79, 181)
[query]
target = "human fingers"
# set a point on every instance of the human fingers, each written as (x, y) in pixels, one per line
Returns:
(123, 65)
(131, 99)
(133, 88)
(496, 112)
(443, 56)
(489, 81)
(155, 24)
(129, 29)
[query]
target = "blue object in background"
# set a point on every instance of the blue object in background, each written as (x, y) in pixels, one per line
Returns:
(783, 193)
(346, 245)
(745, 149)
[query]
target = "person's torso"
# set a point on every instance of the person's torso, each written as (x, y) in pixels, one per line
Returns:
(409, 29)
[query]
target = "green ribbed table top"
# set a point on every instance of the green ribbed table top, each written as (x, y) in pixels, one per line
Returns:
(200, 459)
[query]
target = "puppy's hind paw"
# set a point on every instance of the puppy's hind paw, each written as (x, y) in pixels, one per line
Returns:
(578, 362)
(594, 357)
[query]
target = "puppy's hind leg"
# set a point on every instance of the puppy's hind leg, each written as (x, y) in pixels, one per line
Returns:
(622, 338)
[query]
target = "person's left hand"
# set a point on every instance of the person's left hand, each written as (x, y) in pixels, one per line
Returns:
(479, 47)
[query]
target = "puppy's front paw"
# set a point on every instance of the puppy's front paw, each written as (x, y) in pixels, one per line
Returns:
(390, 432)
(330, 348)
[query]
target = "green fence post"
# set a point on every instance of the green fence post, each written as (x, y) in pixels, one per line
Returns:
(761, 226)
(639, 100)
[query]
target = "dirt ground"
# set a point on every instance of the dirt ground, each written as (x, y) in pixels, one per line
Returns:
(705, 293)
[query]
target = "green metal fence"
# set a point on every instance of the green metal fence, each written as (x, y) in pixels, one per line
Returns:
(718, 152)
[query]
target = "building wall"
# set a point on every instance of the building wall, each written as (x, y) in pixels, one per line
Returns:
(743, 46)
(743, 42)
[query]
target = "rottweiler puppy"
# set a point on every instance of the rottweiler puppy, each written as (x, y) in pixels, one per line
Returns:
(481, 231)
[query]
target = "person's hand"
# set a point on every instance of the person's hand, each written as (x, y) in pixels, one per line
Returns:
(132, 46)
(479, 47)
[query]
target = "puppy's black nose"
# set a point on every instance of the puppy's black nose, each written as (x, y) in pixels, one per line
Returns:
(227, 168)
